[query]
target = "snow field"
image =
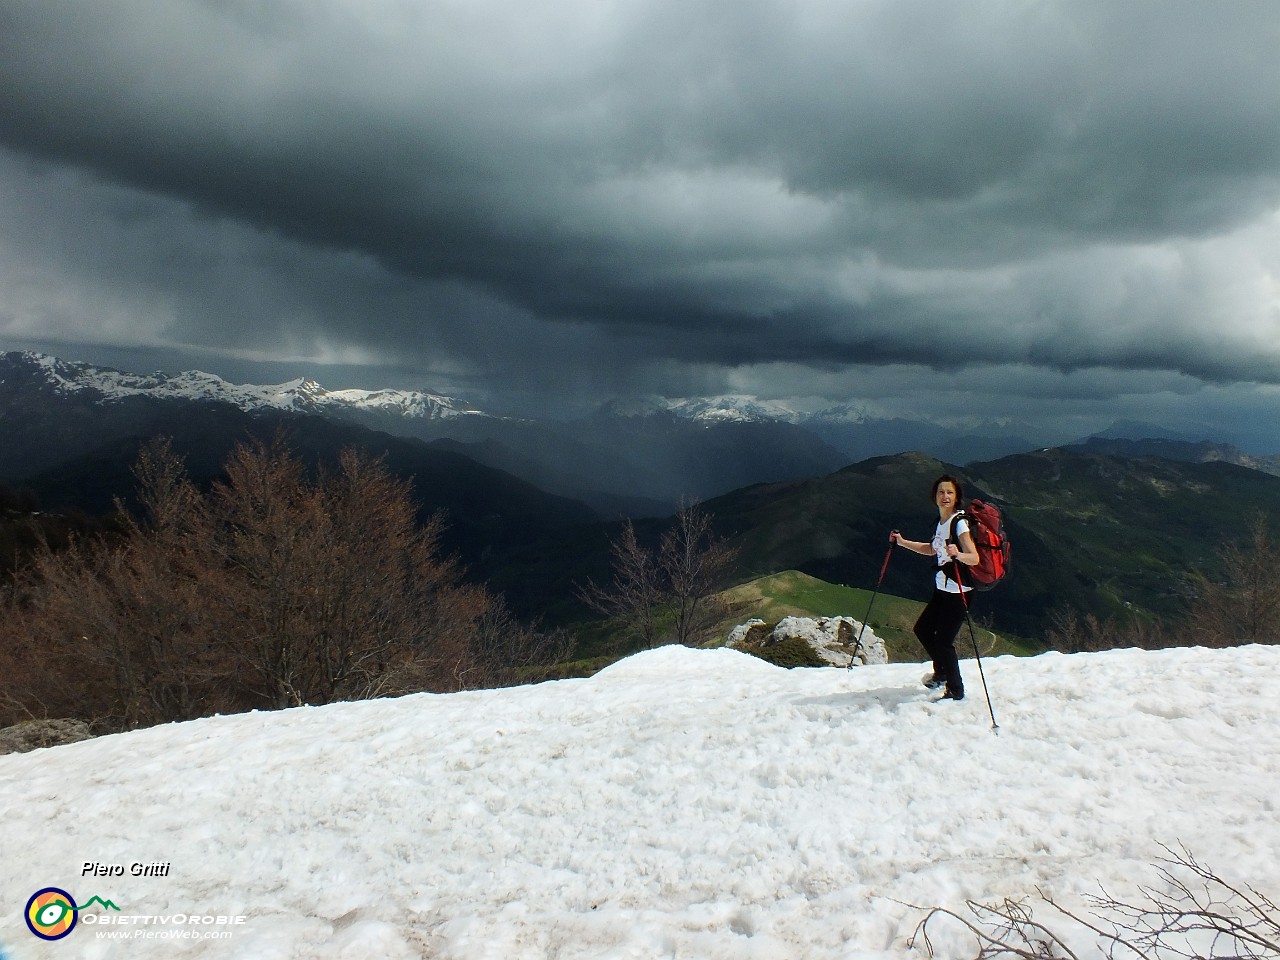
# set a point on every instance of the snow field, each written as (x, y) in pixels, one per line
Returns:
(682, 803)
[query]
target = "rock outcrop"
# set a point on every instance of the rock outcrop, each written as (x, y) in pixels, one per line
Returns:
(34, 734)
(832, 639)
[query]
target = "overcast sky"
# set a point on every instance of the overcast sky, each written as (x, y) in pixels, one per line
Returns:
(1031, 208)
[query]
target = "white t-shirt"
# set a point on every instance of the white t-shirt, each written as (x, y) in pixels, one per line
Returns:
(941, 579)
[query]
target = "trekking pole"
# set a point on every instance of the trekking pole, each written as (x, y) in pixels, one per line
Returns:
(995, 727)
(883, 567)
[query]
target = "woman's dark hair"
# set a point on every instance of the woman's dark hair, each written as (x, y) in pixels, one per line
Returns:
(947, 478)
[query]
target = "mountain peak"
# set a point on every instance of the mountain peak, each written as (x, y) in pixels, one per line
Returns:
(731, 408)
(303, 395)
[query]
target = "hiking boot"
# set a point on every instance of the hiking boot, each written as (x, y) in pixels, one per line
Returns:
(953, 693)
(933, 681)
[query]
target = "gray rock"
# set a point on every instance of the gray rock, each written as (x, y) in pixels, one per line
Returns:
(35, 734)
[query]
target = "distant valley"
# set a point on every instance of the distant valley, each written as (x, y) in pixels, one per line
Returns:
(624, 459)
(1109, 525)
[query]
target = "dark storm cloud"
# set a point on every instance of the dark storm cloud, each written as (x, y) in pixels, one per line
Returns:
(513, 188)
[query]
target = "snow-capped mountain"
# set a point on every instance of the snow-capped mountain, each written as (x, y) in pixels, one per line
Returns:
(634, 454)
(727, 408)
(851, 429)
(634, 457)
(743, 408)
(732, 408)
(303, 395)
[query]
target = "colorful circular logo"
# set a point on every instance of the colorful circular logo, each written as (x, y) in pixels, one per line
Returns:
(51, 913)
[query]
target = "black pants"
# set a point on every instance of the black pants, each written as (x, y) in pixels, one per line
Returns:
(936, 630)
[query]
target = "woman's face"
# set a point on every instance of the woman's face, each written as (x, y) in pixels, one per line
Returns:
(945, 497)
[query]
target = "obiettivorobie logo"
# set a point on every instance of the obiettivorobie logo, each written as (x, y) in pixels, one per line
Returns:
(52, 913)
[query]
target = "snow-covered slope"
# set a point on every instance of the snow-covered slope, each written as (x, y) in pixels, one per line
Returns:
(301, 395)
(682, 803)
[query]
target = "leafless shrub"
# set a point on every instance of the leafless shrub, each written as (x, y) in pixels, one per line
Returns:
(1004, 930)
(1073, 632)
(504, 650)
(1192, 914)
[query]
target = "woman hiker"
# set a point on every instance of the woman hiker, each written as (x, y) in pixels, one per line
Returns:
(945, 612)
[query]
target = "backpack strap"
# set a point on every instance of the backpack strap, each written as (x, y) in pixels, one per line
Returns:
(947, 569)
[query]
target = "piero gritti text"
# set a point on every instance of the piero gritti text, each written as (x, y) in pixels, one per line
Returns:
(153, 869)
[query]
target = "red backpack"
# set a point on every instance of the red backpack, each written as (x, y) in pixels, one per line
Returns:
(987, 530)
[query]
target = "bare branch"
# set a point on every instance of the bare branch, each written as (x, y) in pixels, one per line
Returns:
(1192, 914)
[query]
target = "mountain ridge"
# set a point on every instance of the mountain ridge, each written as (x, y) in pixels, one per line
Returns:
(301, 395)
(1108, 526)
(1186, 451)
(56, 410)
(1098, 533)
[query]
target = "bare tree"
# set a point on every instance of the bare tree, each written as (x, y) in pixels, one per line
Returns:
(674, 581)
(279, 588)
(66, 651)
(111, 632)
(337, 588)
(1244, 607)
(164, 578)
(636, 593)
(693, 561)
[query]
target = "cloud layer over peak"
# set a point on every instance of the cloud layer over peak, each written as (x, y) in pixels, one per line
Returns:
(581, 194)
